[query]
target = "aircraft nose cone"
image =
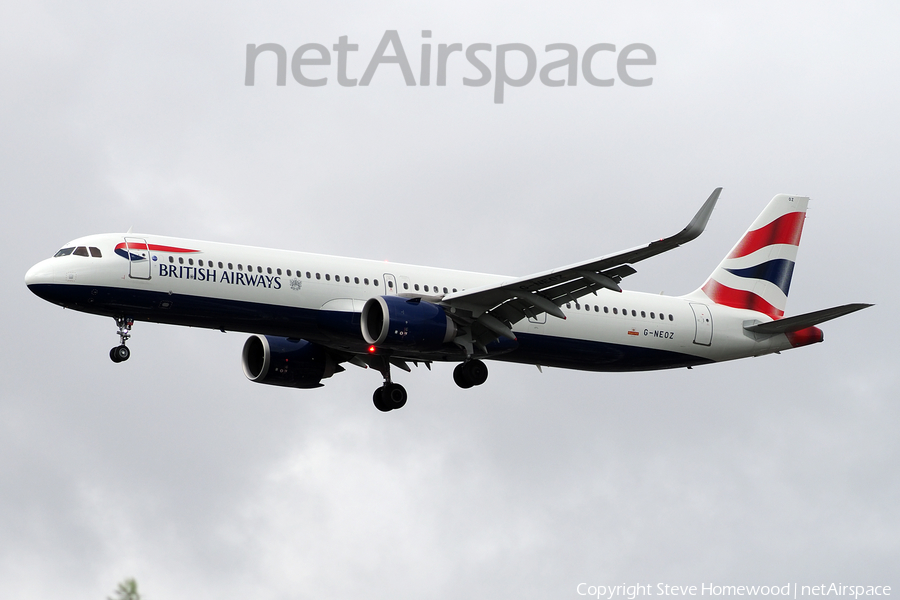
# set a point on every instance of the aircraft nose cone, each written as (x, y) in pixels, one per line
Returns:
(37, 275)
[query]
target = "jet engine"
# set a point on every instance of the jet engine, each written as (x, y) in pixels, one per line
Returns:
(403, 323)
(286, 362)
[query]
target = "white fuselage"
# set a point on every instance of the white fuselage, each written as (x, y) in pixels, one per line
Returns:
(318, 297)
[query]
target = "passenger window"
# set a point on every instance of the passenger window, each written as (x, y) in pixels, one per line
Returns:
(615, 310)
(171, 259)
(64, 252)
(633, 313)
(308, 275)
(390, 284)
(426, 288)
(587, 307)
(190, 261)
(356, 280)
(568, 305)
(230, 266)
(220, 264)
(240, 267)
(80, 251)
(259, 270)
(346, 279)
(671, 318)
(181, 260)
(405, 286)
(375, 282)
(269, 270)
(327, 277)
(200, 262)
(445, 290)
(416, 286)
(652, 315)
(95, 252)
(454, 290)
(643, 315)
(318, 276)
(606, 309)
(366, 281)
(596, 308)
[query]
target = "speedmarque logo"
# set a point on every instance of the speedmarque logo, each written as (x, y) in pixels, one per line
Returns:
(312, 65)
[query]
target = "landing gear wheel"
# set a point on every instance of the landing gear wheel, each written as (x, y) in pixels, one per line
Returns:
(461, 377)
(378, 399)
(469, 374)
(120, 353)
(477, 371)
(394, 395)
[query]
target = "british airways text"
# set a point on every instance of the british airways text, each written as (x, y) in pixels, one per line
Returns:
(212, 275)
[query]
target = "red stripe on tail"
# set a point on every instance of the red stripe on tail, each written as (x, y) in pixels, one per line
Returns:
(722, 294)
(786, 229)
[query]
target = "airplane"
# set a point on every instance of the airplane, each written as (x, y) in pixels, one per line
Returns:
(308, 314)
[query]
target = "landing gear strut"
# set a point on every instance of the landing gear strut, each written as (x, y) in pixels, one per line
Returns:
(121, 352)
(470, 373)
(390, 395)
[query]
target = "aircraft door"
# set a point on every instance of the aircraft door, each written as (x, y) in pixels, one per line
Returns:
(138, 258)
(390, 285)
(703, 318)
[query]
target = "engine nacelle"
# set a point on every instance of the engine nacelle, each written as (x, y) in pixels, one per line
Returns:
(285, 361)
(395, 322)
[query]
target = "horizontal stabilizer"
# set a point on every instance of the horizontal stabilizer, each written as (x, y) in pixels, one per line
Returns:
(799, 322)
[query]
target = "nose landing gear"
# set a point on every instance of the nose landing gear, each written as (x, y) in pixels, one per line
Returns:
(121, 352)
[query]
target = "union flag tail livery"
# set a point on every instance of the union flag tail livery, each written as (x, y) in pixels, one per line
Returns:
(756, 274)
(309, 314)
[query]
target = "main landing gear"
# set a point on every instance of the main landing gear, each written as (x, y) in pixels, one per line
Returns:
(390, 395)
(121, 352)
(470, 373)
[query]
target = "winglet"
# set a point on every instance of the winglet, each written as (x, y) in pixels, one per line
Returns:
(698, 223)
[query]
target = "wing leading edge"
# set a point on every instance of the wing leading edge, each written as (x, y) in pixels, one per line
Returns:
(492, 310)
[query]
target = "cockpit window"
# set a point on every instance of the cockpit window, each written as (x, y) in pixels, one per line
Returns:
(95, 252)
(64, 252)
(80, 251)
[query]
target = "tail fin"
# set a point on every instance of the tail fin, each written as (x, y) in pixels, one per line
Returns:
(756, 274)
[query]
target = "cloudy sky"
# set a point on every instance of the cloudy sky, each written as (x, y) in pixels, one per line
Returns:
(174, 469)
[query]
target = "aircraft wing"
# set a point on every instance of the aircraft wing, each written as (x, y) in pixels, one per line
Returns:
(492, 310)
